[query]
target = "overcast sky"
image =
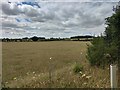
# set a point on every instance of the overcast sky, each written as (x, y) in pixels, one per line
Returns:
(53, 19)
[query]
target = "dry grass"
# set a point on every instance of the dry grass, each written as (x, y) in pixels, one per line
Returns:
(27, 64)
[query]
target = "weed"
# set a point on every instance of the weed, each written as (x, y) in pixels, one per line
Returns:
(77, 68)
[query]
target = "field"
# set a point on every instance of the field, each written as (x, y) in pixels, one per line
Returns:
(49, 64)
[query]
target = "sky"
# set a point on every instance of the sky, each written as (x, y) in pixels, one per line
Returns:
(54, 18)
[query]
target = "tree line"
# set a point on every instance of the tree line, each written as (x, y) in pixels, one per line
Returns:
(35, 39)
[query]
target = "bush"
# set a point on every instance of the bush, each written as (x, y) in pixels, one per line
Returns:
(96, 52)
(77, 68)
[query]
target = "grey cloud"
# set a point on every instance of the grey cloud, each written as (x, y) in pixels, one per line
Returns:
(68, 12)
(56, 18)
(38, 19)
(10, 10)
(13, 32)
(92, 16)
(32, 13)
(13, 9)
(91, 21)
(88, 16)
(9, 25)
(29, 11)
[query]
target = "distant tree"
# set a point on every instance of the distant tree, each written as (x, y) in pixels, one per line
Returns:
(25, 38)
(87, 36)
(35, 38)
(7, 39)
(41, 37)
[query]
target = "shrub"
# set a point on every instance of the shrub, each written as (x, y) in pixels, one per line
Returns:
(96, 52)
(77, 68)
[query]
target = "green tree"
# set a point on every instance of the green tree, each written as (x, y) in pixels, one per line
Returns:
(112, 37)
(107, 49)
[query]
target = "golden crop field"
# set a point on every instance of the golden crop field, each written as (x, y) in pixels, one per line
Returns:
(30, 64)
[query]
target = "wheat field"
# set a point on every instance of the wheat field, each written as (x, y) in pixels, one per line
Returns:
(29, 64)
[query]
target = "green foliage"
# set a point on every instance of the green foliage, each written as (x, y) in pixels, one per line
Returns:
(112, 37)
(96, 51)
(105, 50)
(77, 68)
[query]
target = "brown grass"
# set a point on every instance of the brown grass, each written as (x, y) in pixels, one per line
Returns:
(27, 64)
